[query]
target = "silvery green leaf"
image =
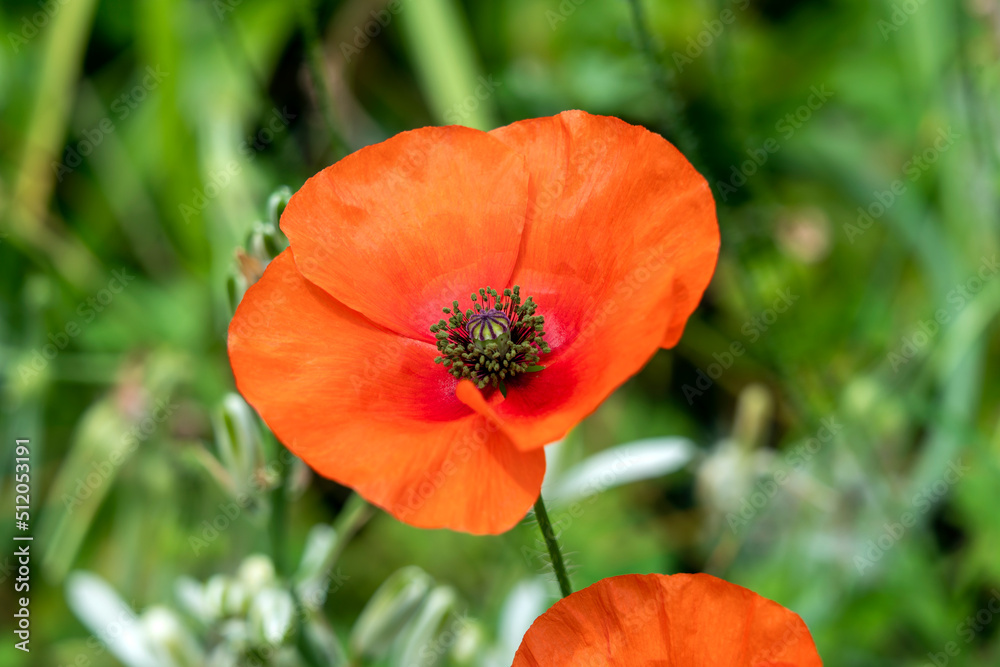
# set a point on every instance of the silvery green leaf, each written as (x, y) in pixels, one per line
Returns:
(236, 599)
(320, 544)
(98, 439)
(324, 643)
(256, 573)
(276, 205)
(171, 641)
(632, 462)
(469, 643)
(727, 474)
(225, 596)
(555, 455)
(110, 619)
(388, 611)
(270, 616)
(222, 656)
(526, 602)
(214, 596)
(312, 577)
(265, 243)
(430, 635)
(192, 599)
(236, 634)
(238, 439)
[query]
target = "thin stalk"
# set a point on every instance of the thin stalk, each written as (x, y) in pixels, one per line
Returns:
(315, 60)
(279, 520)
(558, 564)
(665, 80)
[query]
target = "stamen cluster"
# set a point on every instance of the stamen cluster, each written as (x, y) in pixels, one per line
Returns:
(491, 342)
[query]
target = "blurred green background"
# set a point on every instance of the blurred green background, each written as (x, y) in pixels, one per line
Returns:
(826, 433)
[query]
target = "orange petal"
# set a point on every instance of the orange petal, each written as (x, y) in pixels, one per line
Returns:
(612, 205)
(368, 408)
(683, 620)
(400, 229)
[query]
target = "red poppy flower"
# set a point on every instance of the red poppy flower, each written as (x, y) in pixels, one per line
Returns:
(683, 620)
(585, 244)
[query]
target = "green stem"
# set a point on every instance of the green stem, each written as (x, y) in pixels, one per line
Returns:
(315, 60)
(558, 565)
(279, 520)
(665, 80)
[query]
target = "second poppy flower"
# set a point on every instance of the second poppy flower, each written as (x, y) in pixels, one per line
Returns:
(680, 620)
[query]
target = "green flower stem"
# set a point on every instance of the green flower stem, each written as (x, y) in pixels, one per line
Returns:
(666, 81)
(317, 70)
(279, 521)
(558, 564)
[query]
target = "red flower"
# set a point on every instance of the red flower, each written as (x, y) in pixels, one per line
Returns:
(683, 620)
(597, 239)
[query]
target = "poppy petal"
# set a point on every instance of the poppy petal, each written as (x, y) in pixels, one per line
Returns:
(682, 620)
(400, 229)
(611, 205)
(368, 408)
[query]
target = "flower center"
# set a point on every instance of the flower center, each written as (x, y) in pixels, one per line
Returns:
(495, 340)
